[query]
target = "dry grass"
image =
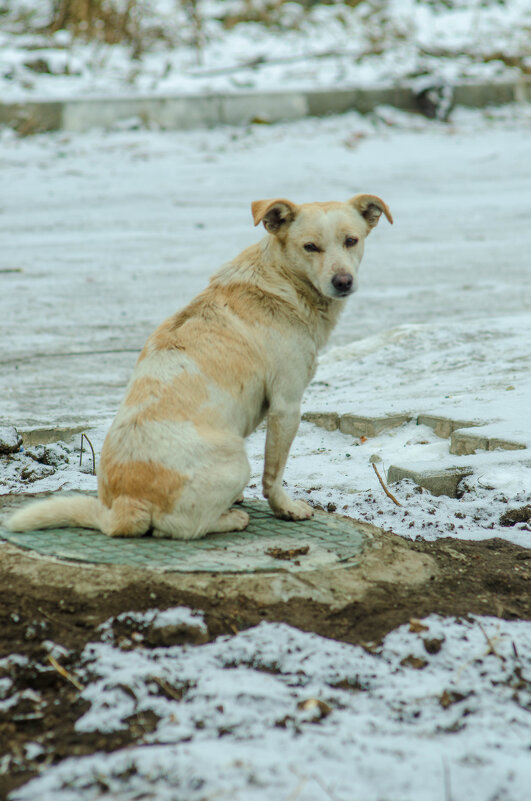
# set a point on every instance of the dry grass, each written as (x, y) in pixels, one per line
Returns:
(97, 19)
(270, 12)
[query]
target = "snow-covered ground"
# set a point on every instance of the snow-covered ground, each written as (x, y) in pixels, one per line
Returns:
(440, 711)
(378, 42)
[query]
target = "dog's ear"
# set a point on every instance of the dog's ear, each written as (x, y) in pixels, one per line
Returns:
(275, 214)
(371, 209)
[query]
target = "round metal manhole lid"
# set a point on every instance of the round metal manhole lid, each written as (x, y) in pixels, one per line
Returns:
(267, 545)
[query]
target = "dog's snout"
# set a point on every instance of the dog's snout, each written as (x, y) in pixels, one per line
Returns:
(342, 283)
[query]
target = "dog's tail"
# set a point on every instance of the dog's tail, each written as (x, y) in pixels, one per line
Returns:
(126, 518)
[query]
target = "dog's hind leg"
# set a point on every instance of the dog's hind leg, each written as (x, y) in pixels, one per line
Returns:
(231, 520)
(204, 506)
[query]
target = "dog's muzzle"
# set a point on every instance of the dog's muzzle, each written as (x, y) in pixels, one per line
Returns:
(342, 283)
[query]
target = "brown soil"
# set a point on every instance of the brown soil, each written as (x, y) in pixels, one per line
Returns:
(488, 578)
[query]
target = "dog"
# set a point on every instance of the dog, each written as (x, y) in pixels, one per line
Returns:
(174, 459)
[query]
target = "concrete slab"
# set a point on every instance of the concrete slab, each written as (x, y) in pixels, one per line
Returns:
(436, 481)
(331, 559)
(479, 95)
(359, 426)
(467, 442)
(444, 426)
(43, 436)
(167, 112)
(326, 420)
(275, 107)
(463, 442)
(32, 117)
(495, 444)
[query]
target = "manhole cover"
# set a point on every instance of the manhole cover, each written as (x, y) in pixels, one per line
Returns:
(267, 545)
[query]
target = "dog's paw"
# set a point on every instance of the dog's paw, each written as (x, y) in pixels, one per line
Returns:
(239, 519)
(231, 520)
(294, 510)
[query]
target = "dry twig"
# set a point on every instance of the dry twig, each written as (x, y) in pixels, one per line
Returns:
(298, 790)
(84, 436)
(492, 649)
(380, 479)
(167, 689)
(64, 673)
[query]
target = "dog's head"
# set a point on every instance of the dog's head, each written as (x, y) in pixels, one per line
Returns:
(323, 241)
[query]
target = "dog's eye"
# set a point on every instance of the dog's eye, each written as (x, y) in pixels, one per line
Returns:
(311, 247)
(350, 241)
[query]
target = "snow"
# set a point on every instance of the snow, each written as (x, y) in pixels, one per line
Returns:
(246, 728)
(378, 42)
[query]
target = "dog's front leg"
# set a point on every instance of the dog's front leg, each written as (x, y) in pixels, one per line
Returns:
(282, 425)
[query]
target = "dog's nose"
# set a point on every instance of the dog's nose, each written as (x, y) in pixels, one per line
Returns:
(342, 283)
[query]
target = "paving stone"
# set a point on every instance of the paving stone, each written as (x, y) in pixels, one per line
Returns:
(495, 443)
(444, 426)
(327, 420)
(467, 442)
(44, 436)
(463, 442)
(438, 482)
(359, 426)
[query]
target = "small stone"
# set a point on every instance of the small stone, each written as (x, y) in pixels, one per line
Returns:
(10, 439)
(314, 709)
(176, 634)
(433, 645)
(416, 662)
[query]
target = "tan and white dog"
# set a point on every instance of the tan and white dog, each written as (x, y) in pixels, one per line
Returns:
(174, 460)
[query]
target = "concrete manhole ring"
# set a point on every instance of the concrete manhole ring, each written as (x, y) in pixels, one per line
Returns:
(267, 545)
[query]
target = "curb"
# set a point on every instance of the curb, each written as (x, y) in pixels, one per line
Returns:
(187, 112)
(465, 439)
